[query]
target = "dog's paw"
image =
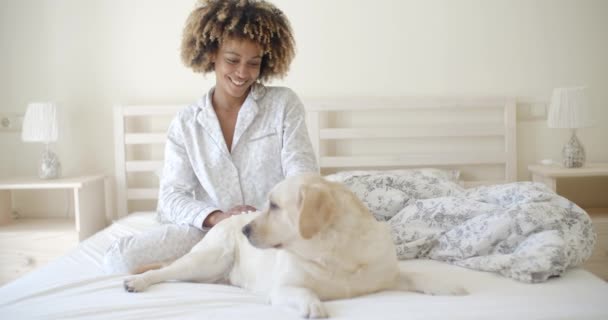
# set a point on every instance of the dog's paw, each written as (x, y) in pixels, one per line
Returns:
(135, 284)
(313, 310)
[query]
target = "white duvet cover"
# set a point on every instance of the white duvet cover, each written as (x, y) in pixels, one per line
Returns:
(75, 287)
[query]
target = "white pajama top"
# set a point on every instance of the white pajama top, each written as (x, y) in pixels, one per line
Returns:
(201, 175)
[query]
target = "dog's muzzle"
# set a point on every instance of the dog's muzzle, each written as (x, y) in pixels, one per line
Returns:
(247, 230)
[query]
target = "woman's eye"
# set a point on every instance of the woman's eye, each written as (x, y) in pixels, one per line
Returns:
(231, 61)
(254, 64)
(273, 206)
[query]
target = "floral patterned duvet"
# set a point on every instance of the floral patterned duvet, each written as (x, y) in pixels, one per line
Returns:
(521, 230)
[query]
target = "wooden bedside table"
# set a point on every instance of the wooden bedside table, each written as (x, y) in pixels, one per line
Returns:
(88, 196)
(588, 188)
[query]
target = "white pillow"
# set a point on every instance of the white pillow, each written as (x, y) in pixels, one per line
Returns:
(385, 193)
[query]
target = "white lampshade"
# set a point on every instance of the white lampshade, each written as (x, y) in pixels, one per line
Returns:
(569, 109)
(40, 123)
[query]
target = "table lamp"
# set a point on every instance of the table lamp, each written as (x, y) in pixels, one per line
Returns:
(40, 125)
(570, 109)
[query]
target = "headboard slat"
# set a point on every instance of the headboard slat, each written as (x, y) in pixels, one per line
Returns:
(145, 138)
(401, 103)
(142, 194)
(413, 132)
(151, 110)
(439, 159)
(119, 164)
(144, 165)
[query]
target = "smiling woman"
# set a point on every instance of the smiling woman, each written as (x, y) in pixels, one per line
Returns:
(214, 21)
(227, 150)
(237, 66)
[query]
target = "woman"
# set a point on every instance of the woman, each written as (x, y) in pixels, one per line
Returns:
(226, 151)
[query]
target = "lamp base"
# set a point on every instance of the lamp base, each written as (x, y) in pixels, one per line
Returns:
(50, 167)
(573, 153)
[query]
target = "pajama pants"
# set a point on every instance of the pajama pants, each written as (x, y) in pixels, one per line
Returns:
(163, 244)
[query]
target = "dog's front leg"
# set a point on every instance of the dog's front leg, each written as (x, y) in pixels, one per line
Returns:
(303, 300)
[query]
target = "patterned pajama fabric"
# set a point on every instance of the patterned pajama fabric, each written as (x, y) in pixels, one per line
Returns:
(162, 244)
(201, 175)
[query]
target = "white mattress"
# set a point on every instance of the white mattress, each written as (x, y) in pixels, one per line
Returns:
(75, 287)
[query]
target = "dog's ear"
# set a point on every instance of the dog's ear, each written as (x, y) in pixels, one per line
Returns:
(317, 207)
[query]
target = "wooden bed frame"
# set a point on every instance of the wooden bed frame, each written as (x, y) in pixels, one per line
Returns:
(477, 136)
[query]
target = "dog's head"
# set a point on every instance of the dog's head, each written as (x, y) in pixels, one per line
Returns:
(298, 208)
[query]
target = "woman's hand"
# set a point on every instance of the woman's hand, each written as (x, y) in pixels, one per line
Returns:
(240, 209)
(216, 216)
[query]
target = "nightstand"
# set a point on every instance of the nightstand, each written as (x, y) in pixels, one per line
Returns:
(588, 188)
(88, 196)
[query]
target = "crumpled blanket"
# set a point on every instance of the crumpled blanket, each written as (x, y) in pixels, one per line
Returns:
(521, 230)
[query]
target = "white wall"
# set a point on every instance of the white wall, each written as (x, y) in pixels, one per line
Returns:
(90, 55)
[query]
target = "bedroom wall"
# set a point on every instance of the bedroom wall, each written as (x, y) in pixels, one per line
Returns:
(88, 56)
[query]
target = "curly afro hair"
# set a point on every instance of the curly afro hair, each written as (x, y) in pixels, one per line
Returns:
(215, 20)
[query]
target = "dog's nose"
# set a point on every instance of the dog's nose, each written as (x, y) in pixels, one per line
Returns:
(247, 230)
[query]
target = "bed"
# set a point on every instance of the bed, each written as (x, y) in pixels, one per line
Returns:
(473, 138)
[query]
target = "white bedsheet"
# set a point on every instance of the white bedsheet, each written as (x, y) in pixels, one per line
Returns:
(75, 287)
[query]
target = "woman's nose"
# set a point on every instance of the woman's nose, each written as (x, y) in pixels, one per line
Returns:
(241, 70)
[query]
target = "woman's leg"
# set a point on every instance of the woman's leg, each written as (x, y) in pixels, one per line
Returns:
(163, 244)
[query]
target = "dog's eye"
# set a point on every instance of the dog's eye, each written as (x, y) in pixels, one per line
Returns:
(273, 206)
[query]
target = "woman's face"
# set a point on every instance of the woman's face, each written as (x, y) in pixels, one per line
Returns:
(237, 67)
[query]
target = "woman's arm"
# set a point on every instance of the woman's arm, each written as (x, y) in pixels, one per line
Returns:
(176, 203)
(297, 154)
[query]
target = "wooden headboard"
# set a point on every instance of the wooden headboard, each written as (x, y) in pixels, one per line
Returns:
(476, 136)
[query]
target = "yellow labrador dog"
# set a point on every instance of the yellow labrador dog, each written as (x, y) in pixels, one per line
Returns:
(320, 243)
